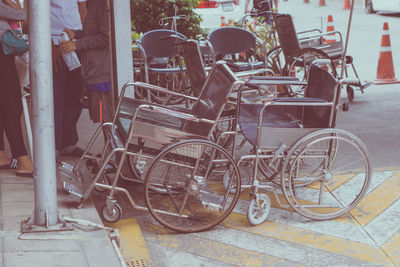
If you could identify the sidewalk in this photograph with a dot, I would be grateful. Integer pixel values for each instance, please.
(82, 246)
(65, 248)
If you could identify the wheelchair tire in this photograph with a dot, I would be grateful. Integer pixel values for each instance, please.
(299, 63)
(258, 212)
(350, 93)
(114, 216)
(327, 173)
(276, 60)
(184, 188)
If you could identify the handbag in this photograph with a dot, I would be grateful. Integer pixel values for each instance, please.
(14, 43)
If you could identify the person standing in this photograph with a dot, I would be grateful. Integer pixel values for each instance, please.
(67, 85)
(260, 5)
(93, 43)
(10, 101)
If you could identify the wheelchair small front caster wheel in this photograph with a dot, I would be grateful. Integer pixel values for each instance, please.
(345, 107)
(112, 216)
(258, 212)
(350, 93)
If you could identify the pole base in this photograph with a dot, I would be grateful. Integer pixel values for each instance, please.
(27, 226)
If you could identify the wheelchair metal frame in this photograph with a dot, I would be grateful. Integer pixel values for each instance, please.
(203, 199)
(284, 152)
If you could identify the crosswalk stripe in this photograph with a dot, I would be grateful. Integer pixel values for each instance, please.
(133, 246)
(378, 200)
(209, 249)
(339, 229)
(391, 248)
(309, 238)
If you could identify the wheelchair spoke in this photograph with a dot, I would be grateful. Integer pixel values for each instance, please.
(203, 201)
(325, 187)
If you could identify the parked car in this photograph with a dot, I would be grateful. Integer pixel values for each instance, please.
(382, 6)
(215, 13)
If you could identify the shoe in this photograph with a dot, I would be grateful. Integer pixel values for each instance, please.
(76, 152)
(25, 174)
(13, 165)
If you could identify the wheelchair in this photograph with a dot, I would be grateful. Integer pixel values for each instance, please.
(297, 50)
(297, 156)
(176, 160)
(158, 64)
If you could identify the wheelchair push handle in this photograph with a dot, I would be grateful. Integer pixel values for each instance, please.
(178, 39)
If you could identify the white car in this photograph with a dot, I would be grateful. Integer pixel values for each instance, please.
(219, 12)
(382, 6)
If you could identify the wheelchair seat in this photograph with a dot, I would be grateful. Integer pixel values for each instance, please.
(315, 110)
(156, 47)
(233, 40)
(163, 125)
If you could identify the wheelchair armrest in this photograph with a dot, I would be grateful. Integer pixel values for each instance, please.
(322, 35)
(167, 111)
(271, 80)
(247, 73)
(159, 89)
(308, 31)
(299, 101)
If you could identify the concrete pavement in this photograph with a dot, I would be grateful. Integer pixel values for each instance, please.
(82, 246)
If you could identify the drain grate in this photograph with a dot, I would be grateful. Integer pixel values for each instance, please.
(136, 263)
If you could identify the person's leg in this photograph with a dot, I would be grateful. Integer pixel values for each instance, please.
(12, 110)
(4, 160)
(59, 85)
(72, 108)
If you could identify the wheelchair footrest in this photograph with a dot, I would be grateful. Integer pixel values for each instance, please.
(71, 188)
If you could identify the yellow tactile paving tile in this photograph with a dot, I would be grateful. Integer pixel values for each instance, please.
(378, 200)
(211, 249)
(312, 239)
(337, 181)
(392, 248)
(276, 203)
(133, 246)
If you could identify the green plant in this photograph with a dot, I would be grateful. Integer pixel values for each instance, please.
(146, 15)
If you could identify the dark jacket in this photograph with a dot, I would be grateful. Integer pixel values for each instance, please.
(93, 42)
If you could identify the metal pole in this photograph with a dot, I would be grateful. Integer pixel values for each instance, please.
(347, 40)
(40, 71)
(121, 44)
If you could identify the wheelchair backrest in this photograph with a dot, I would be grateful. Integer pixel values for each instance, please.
(231, 40)
(322, 85)
(159, 44)
(194, 65)
(287, 34)
(214, 95)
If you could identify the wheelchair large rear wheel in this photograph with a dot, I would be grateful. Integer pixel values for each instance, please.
(184, 186)
(276, 60)
(326, 174)
(299, 63)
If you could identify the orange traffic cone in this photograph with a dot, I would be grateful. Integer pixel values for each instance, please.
(385, 73)
(322, 3)
(346, 4)
(330, 38)
(223, 23)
